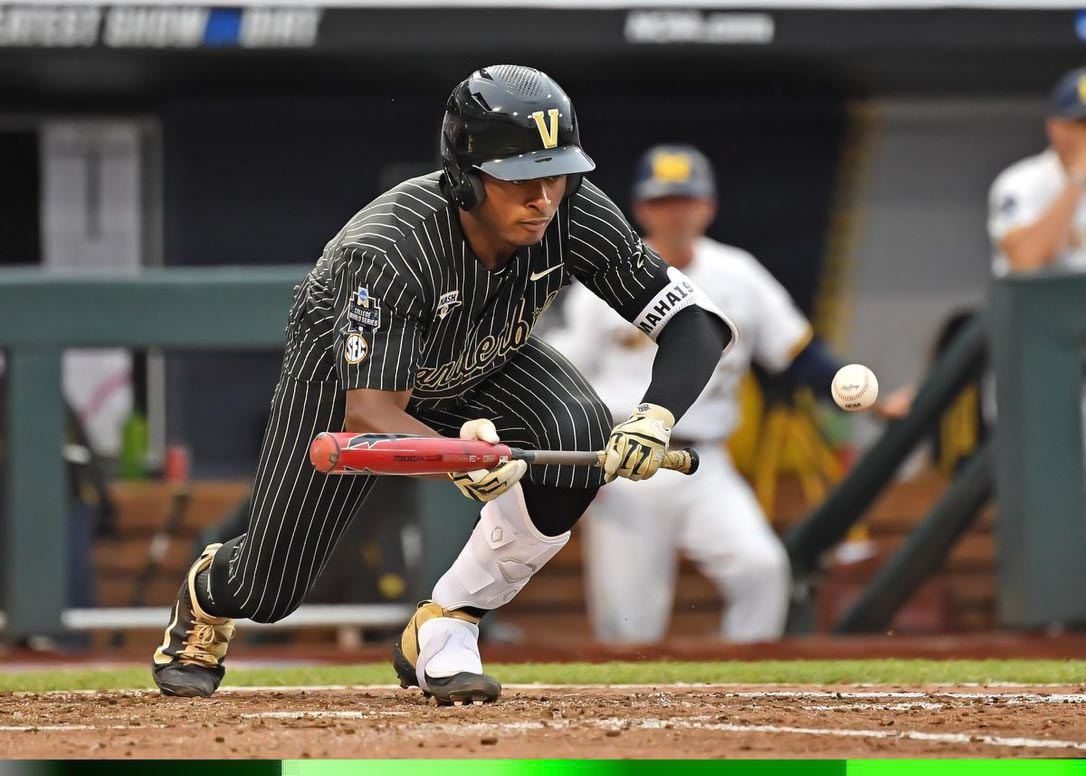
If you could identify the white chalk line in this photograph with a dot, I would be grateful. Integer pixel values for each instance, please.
(319, 714)
(1007, 698)
(697, 723)
(70, 728)
(906, 706)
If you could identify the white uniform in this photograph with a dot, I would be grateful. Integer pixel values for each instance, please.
(634, 528)
(1020, 195)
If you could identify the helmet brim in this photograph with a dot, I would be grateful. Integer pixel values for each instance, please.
(567, 160)
(1075, 112)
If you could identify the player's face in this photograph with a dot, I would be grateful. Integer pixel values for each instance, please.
(676, 221)
(1067, 138)
(519, 211)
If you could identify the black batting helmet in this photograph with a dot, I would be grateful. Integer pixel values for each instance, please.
(511, 122)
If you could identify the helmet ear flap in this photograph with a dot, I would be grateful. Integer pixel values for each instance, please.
(467, 187)
(475, 180)
(573, 183)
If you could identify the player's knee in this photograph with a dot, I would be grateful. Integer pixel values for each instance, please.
(270, 605)
(279, 611)
(266, 618)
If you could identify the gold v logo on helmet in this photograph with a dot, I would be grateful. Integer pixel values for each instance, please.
(549, 134)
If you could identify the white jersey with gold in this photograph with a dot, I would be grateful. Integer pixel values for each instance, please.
(617, 357)
(1020, 195)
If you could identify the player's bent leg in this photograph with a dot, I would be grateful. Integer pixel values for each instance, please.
(538, 400)
(189, 661)
(296, 513)
(503, 552)
(296, 516)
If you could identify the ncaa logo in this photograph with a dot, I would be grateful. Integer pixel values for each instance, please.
(355, 348)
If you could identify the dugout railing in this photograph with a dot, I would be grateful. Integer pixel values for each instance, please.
(1033, 335)
(921, 554)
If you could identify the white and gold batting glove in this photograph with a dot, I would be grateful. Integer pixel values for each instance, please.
(486, 484)
(636, 447)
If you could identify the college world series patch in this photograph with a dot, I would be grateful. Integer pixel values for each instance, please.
(364, 311)
(355, 348)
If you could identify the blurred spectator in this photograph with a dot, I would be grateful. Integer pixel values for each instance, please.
(1036, 213)
(635, 529)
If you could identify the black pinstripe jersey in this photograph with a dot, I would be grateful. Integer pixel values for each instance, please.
(398, 301)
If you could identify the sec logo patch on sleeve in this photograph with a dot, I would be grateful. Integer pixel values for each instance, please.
(355, 348)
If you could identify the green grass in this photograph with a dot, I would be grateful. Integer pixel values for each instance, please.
(817, 672)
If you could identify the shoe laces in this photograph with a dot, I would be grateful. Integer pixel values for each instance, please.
(205, 644)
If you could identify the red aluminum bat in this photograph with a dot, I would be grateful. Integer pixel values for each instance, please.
(347, 453)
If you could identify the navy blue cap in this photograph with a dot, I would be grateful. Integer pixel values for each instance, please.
(674, 171)
(1068, 99)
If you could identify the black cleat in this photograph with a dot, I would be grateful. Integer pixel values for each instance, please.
(463, 688)
(405, 672)
(189, 662)
(188, 681)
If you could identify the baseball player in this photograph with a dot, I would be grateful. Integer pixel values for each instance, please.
(418, 319)
(1036, 209)
(713, 517)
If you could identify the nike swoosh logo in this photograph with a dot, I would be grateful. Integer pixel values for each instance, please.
(549, 270)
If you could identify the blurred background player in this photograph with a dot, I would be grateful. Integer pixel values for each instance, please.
(713, 517)
(1037, 217)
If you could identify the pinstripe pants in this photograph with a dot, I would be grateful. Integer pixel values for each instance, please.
(537, 400)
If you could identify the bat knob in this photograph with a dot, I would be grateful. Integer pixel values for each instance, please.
(685, 460)
(695, 461)
(324, 452)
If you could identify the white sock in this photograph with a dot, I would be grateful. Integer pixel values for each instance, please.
(447, 646)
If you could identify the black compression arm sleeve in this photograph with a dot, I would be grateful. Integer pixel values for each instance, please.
(689, 350)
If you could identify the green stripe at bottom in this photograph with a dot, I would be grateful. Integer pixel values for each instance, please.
(563, 767)
(686, 767)
(967, 767)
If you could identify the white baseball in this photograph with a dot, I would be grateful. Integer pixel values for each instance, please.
(855, 388)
